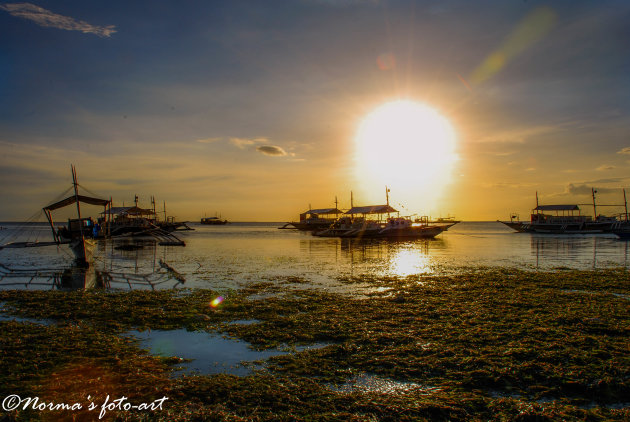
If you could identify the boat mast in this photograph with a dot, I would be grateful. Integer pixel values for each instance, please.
(109, 218)
(76, 196)
(593, 192)
(52, 226)
(625, 202)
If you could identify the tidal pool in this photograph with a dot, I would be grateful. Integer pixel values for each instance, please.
(209, 353)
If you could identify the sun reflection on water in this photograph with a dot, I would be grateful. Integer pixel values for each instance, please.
(409, 261)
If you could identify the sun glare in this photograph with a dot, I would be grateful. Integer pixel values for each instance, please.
(408, 146)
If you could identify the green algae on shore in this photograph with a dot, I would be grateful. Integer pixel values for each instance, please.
(493, 344)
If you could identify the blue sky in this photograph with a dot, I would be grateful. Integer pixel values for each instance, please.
(249, 108)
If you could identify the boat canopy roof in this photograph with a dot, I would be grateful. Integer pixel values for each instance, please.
(129, 211)
(324, 211)
(371, 209)
(72, 199)
(557, 208)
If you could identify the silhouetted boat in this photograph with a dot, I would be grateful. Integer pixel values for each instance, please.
(315, 219)
(446, 222)
(357, 223)
(567, 219)
(213, 221)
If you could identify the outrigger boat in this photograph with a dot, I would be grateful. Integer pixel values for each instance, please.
(80, 232)
(568, 219)
(315, 219)
(356, 224)
(134, 220)
(448, 222)
(213, 221)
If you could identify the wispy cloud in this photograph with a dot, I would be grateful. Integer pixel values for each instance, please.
(608, 180)
(243, 143)
(507, 185)
(341, 3)
(625, 150)
(209, 140)
(605, 167)
(519, 136)
(272, 150)
(266, 149)
(49, 19)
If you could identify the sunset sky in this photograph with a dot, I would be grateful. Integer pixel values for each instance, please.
(253, 108)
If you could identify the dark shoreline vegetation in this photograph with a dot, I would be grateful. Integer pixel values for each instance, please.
(497, 344)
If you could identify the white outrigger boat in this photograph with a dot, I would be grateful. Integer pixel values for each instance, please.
(356, 223)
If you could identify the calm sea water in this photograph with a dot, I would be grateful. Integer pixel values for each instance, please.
(231, 256)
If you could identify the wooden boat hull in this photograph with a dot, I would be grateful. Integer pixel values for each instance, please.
(569, 228)
(622, 234)
(519, 226)
(425, 232)
(412, 232)
(83, 250)
(308, 225)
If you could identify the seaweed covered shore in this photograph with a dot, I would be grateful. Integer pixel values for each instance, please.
(485, 345)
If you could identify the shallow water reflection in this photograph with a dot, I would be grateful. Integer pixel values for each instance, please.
(369, 383)
(233, 256)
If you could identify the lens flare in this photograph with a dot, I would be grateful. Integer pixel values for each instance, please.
(529, 31)
(216, 301)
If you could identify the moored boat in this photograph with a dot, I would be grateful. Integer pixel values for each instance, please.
(404, 228)
(566, 219)
(315, 219)
(445, 222)
(80, 232)
(367, 222)
(213, 221)
(137, 221)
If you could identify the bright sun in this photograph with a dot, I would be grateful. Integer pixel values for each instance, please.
(409, 147)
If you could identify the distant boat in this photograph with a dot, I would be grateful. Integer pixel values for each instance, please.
(446, 222)
(213, 221)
